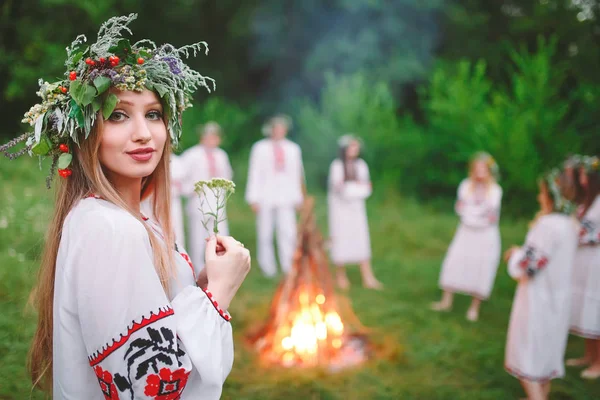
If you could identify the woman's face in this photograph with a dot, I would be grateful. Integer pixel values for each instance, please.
(279, 131)
(544, 199)
(481, 171)
(133, 138)
(353, 150)
(583, 178)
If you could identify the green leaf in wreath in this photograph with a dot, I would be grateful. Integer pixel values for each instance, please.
(64, 160)
(43, 147)
(77, 57)
(77, 114)
(102, 83)
(89, 92)
(75, 91)
(109, 105)
(122, 48)
(96, 104)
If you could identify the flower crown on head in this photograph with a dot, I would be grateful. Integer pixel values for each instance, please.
(345, 140)
(561, 204)
(588, 163)
(489, 161)
(70, 107)
(267, 128)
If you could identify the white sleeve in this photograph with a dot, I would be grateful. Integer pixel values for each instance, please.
(461, 197)
(536, 252)
(253, 184)
(138, 341)
(336, 177)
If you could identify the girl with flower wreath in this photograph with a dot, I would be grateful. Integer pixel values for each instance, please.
(474, 255)
(121, 313)
(539, 320)
(349, 187)
(585, 310)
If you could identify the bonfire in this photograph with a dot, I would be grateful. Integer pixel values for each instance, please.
(308, 324)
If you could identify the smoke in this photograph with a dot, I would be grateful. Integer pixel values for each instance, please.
(392, 41)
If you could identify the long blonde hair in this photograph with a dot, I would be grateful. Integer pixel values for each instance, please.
(88, 177)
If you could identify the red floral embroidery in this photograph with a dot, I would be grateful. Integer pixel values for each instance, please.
(167, 385)
(105, 379)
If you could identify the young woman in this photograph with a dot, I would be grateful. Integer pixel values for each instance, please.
(121, 314)
(472, 260)
(349, 187)
(539, 321)
(585, 310)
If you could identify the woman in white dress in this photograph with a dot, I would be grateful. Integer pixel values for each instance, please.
(349, 187)
(585, 311)
(539, 321)
(473, 256)
(121, 314)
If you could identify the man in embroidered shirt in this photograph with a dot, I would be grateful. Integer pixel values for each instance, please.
(203, 162)
(274, 191)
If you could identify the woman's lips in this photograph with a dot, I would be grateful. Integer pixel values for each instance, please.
(141, 154)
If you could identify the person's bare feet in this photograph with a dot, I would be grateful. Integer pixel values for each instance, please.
(592, 372)
(578, 362)
(373, 284)
(472, 314)
(440, 306)
(343, 282)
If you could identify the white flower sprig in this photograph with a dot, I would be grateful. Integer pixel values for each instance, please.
(221, 189)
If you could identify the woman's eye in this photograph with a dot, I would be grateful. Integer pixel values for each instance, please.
(117, 116)
(154, 115)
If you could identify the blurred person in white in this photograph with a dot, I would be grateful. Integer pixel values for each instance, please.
(543, 267)
(121, 313)
(473, 257)
(274, 191)
(585, 310)
(202, 162)
(177, 172)
(349, 187)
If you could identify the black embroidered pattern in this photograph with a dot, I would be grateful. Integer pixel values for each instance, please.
(147, 353)
(533, 261)
(588, 235)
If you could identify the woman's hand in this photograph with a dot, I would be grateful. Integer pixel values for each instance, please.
(226, 268)
(509, 253)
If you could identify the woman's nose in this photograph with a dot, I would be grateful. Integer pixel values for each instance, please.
(141, 130)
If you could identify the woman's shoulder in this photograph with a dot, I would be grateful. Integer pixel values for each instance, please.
(100, 218)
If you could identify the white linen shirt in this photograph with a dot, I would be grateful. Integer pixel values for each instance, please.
(116, 333)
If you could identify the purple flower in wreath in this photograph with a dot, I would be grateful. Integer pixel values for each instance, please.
(173, 64)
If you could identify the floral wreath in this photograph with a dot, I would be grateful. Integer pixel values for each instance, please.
(280, 118)
(344, 141)
(588, 163)
(561, 204)
(70, 106)
(489, 161)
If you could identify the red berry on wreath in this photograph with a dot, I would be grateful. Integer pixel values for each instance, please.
(102, 60)
(63, 89)
(64, 172)
(63, 148)
(89, 61)
(140, 60)
(73, 75)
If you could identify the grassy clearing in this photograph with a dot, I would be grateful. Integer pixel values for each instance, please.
(442, 356)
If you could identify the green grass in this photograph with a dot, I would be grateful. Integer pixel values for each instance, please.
(441, 356)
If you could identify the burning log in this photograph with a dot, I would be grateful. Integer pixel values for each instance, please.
(306, 326)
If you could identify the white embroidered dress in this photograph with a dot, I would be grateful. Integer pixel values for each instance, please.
(117, 334)
(539, 320)
(472, 260)
(585, 312)
(348, 224)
